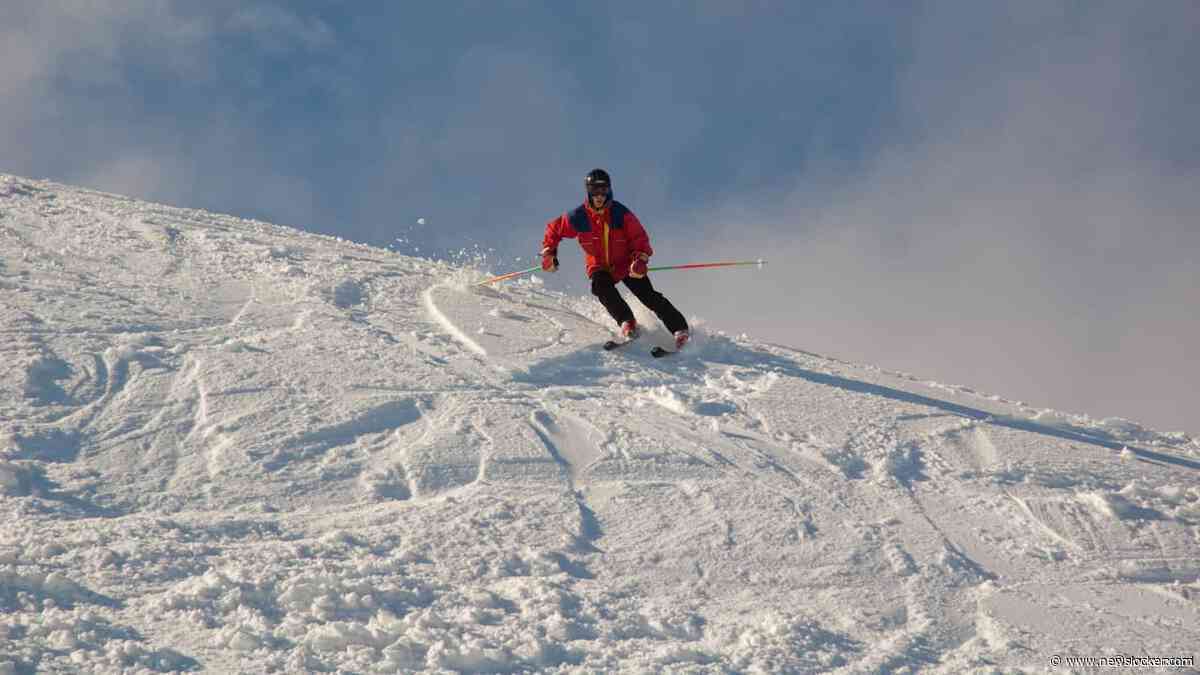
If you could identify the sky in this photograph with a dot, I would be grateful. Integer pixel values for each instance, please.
(1001, 195)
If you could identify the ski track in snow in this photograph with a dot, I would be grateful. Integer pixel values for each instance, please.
(230, 446)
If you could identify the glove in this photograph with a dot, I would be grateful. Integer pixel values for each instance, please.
(637, 268)
(549, 260)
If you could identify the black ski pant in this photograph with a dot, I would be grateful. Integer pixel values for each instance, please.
(605, 290)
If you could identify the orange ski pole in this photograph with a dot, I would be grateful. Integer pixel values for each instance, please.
(695, 266)
(510, 275)
(690, 266)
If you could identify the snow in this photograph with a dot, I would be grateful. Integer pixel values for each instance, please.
(235, 447)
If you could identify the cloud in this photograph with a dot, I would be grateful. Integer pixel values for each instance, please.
(280, 31)
(89, 42)
(138, 97)
(1028, 231)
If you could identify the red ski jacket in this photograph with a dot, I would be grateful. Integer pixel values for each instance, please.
(609, 237)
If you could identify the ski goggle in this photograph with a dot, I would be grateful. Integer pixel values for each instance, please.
(598, 189)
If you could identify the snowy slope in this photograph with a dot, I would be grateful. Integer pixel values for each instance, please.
(235, 447)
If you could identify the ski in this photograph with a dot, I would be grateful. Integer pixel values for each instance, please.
(655, 351)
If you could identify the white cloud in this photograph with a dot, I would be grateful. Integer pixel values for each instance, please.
(1030, 211)
(279, 30)
(76, 107)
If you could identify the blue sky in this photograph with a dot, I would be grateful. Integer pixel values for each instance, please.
(1002, 195)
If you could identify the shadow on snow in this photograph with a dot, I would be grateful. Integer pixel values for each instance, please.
(750, 357)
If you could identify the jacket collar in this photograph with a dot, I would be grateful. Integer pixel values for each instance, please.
(591, 210)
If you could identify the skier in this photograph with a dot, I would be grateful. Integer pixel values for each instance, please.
(616, 248)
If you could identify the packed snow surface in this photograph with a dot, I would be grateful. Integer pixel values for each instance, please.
(235, 447)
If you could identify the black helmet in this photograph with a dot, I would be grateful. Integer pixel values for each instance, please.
(598, 182)
(597, 177)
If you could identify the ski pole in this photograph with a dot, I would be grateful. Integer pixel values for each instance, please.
(690, 266)
(693, 266)
(510, 275)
